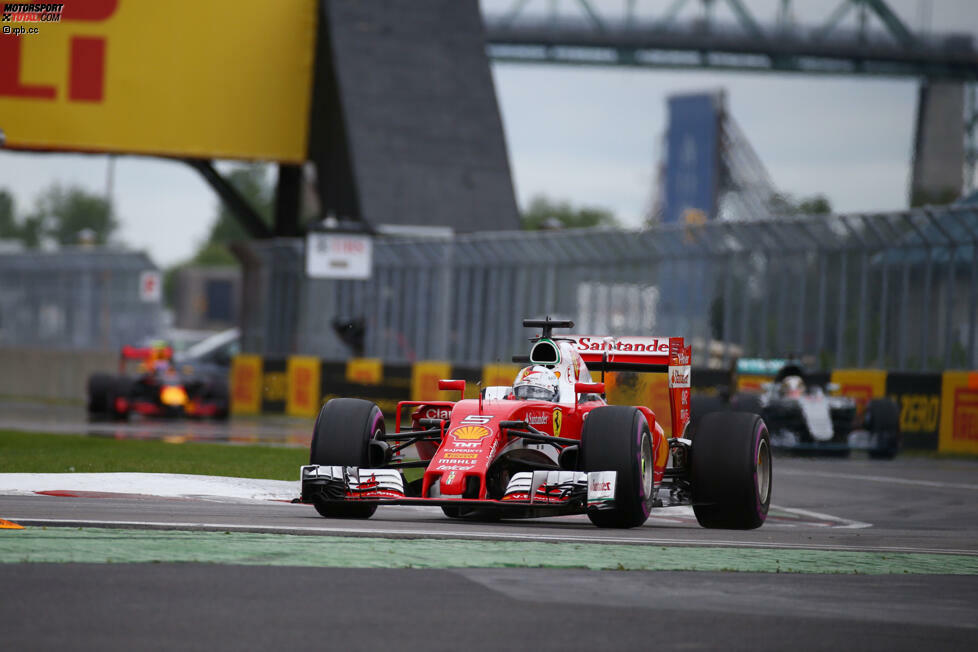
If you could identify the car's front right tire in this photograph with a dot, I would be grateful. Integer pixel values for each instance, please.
(731, 472)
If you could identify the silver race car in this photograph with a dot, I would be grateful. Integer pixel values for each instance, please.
(802, 416)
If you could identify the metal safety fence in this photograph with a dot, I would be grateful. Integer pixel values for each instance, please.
(78, 298)
(895, 290)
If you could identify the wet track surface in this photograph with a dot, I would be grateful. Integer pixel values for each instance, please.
(72, 419)
(912, 504)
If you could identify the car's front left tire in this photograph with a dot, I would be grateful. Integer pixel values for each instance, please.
(617, 438)
(342, 437)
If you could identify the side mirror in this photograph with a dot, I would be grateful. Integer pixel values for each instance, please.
(589, 388)
(449, 385)
(833, 387)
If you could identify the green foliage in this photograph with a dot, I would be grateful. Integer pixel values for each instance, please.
(252, 182)
(9, 228)
(544, 213)
(61, 214)
(785, 204)
(66, 212)
(213, 254)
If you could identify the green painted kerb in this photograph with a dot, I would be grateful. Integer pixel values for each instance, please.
(95, 545)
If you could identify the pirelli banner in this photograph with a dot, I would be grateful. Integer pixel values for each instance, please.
(300, 385)
(215, 79)
(959, 412)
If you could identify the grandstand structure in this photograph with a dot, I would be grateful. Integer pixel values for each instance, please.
(709, 169)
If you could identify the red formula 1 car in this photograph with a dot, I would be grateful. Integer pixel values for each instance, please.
(161, 389)
(548, 445)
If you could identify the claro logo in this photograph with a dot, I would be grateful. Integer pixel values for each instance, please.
(86, 58)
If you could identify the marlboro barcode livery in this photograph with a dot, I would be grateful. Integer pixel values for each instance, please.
(549, 444)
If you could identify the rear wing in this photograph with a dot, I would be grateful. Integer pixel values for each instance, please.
(666, 355)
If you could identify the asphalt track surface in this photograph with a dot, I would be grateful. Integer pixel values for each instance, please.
(912, 504)
(211, 607)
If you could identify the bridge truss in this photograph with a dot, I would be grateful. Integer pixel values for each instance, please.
(857, 37)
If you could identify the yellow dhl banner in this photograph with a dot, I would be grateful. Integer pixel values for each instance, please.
(215, 79)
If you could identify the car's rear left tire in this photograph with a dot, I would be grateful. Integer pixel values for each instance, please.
(342, 437)
(746, 402)
(221, 396)
(617, 438)
(882, 419)
(731, 472)
(100, 386)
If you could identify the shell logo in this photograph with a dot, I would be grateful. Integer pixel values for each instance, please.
(471, 432)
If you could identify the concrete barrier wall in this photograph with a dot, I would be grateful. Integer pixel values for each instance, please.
(37, 373)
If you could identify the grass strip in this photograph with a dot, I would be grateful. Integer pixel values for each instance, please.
(45, 453)
(99, 545)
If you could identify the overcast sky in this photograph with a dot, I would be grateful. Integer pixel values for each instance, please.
(592, 136)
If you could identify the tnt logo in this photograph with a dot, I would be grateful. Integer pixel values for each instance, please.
(86, 54)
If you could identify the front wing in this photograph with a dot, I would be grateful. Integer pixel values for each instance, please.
(530, 493)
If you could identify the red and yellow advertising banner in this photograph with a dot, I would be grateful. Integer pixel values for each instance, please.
(499, 374)
(246, 384)
(861, 385)
(364, 371)
(959, 413)
(302, 399)
(214, 79)
(424, 381)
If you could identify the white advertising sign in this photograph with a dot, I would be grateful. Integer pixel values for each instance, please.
(150, 286)
(336, 255)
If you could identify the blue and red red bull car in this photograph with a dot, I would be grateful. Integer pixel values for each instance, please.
(550, 444)
(160, 389)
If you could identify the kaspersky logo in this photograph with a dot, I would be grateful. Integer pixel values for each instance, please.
(85, 80)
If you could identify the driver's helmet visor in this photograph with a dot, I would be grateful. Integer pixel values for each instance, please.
(534, 392)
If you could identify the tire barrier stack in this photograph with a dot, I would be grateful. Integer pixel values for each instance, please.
(938, 411)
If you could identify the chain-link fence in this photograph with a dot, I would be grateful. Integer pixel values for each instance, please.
(78, 298)
(896, 290)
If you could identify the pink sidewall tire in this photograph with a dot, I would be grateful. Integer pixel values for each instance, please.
(731, 471)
